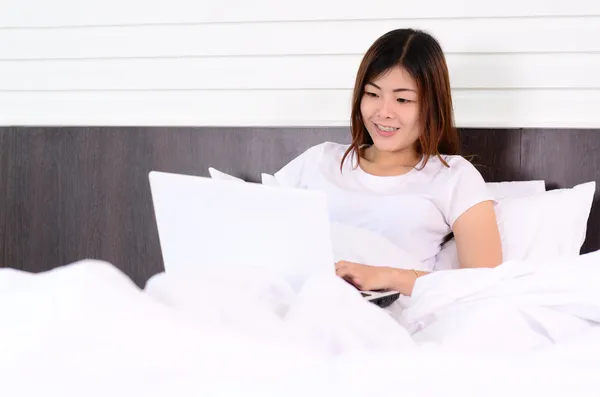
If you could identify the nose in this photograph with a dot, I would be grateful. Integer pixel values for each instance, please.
(386, 110)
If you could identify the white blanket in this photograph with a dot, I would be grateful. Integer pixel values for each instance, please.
(85, 329)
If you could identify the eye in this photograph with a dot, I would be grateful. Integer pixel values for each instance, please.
(371, 94)
(402, 100)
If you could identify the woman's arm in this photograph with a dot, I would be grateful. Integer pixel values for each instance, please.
(477, 237)
(365, 277)
(478, 245)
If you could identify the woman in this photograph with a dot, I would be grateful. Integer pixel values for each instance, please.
(402, 176)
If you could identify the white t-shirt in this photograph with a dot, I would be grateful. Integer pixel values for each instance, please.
(415, 210)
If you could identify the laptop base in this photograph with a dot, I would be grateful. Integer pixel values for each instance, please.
(381, 298)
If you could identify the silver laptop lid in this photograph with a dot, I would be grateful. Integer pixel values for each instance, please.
(204, 223)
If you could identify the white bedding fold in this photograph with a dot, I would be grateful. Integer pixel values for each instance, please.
(517, 306)
(247, 331)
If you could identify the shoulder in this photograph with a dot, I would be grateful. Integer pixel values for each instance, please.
(308, 162)
(457, 163)
(329, 150)
(458, 186)
(323, 155)
(457, 167)
(326, 149)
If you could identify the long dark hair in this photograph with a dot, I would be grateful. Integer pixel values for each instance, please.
(422, 57)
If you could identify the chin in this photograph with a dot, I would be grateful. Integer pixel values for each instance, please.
(387, 145)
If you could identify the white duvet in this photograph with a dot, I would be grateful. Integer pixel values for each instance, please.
(85, 329)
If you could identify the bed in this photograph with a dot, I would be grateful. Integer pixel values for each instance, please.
(87, 310)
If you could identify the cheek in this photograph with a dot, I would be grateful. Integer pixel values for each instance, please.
(411, 118)
(366, 109)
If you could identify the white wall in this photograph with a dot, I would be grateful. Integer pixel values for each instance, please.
(513, 63)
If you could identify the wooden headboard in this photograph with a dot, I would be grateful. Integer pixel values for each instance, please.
(78, 192)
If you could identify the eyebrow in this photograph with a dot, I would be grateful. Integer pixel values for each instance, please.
(395, 90)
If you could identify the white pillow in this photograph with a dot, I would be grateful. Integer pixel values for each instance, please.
(266, 179)
(543, 226)
(501, 190)
(216, 174)
(550, 225)
(269, 180)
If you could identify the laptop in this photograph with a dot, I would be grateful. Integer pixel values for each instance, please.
(209, 223)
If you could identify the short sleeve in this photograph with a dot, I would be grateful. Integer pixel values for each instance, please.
(294, 173)
(465, 187)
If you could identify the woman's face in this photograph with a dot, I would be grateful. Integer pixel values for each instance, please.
(390, 111)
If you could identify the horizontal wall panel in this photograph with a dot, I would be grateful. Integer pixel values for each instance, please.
(17, 13)
(291, 38)
(474, 108)
(294, 72)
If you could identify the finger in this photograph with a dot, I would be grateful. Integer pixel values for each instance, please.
(342, 266)
(350, 280)
(355, 282)
(349, 276)
(341, 271)
(339, 264)
(344, 272)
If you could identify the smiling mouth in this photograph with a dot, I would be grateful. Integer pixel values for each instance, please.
(385, 129)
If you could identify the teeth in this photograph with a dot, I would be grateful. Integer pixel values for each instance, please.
(386, 129)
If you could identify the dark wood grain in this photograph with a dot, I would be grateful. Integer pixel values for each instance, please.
(5, 133)
(248, 152)
(75, 193)
(32, 206)
(565, 158)
(496, 152)
(79, 192)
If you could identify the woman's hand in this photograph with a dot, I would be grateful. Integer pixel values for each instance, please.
(364, 277)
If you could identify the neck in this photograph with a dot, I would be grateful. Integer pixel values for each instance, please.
(387, 160)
